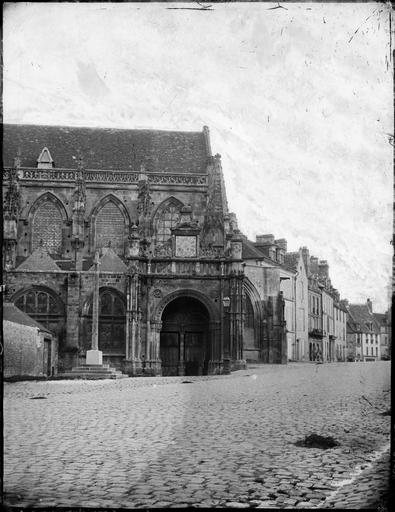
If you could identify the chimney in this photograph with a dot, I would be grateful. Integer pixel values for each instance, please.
(306, 258)
(369, 304)
(314, 265)
(344, 302)
(281, 242)
(264, 239)
(323, 269)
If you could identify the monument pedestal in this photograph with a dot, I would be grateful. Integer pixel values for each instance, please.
(94, 357)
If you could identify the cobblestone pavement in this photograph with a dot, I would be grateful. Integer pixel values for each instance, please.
(223, 441)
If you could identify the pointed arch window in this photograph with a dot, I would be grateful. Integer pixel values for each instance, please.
(112, 322)
(167, 218)
(249, 317)
(47, 227)
(110, 228)
(42, 306)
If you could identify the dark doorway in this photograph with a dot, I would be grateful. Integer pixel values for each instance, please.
(170, 352)
(184, 347)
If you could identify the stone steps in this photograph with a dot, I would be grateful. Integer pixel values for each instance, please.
(93, 371)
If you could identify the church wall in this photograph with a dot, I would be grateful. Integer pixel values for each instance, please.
(20, 280)
(265, 280)
(136, 200)
(30, 193)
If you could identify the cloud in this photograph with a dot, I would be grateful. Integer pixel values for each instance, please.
(297, 111)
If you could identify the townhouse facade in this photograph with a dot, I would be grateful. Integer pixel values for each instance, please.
(340, 319)
(298, 350)
(384, 322)
(363, 333)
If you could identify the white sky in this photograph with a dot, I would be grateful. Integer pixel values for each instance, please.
(298, 101)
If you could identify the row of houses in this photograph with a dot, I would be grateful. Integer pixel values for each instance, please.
(320, 326)
(120, 244)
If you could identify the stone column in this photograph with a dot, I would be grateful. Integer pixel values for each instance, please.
(133, 318)
(9, 243)
(156, 363)
(215, 361)
(132, 364)
(11, 210)
(239, 362)
(73, 320)
(128, 319)
(95, 356)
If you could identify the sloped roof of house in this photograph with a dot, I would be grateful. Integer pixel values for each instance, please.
(39, 260)
(15, 315)
(250, 251)
(381, 318)
(341, 307)
(351, 325)
(291, 260)
(107, 148)
(361, 316)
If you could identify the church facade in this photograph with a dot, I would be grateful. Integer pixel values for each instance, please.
(140, 216)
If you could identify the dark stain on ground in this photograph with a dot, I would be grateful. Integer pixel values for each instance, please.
(317, 441)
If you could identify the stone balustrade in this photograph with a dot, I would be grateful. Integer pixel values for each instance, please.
(110, 176)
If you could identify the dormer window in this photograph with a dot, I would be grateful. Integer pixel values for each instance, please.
(45, 161)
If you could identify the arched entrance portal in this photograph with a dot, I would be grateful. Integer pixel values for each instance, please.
(184, 338)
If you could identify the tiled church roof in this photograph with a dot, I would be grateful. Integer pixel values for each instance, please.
(39, 260)
(110, 262)
(107, 148)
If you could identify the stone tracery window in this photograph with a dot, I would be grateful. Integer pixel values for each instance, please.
(42, 306)
(47, 227)
(112, 319)
(166, 219)
(110, 228)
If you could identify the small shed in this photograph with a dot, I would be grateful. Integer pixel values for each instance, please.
(30, 350)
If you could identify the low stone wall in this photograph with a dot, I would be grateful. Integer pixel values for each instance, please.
(24, 351)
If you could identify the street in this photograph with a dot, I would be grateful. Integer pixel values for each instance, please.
(219, 441)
